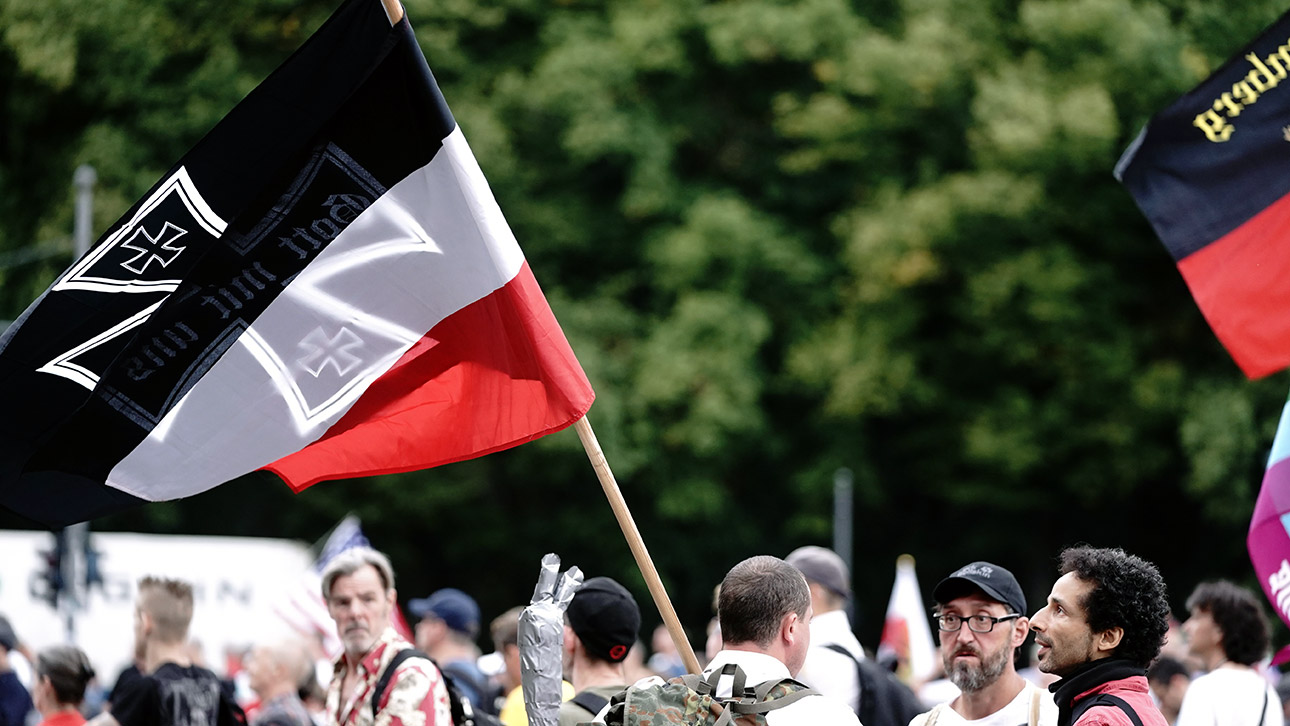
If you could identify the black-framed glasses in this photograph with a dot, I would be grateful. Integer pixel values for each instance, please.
(950, 622)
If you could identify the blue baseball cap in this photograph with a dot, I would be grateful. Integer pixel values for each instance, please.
(455, 608)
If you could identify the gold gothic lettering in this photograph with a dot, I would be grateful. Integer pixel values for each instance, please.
(1264, 76)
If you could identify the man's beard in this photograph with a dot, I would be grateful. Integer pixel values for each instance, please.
(971, 677)
(358, 641)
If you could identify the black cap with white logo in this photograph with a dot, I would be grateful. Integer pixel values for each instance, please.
(995, 581)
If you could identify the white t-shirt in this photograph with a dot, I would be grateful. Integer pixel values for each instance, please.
(827, 671)
(1230, 697)
(1016, 713)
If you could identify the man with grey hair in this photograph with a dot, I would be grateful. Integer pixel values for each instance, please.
(277, 672)
(764, 607)
(358, 587)
(981, 618)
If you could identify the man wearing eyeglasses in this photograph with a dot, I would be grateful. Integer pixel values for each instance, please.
(980, 615)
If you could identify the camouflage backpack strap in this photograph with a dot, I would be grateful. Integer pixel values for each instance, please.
(706, 690)
(696, 683)
(739, 681)
(771, 695)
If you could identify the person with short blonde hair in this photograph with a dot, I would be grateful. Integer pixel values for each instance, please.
(171, 689)
(170, 605)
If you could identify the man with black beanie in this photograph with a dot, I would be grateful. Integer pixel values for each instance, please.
(1104, 623)
(601, 624)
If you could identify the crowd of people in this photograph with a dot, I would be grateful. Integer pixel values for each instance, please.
(1102, 650)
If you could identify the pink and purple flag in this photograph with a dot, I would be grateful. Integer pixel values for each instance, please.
(1269, 537)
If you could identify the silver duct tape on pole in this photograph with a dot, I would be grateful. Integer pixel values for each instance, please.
(542, 641)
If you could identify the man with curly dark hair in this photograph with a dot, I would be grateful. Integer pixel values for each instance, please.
(1228, 632)
(1103, 624)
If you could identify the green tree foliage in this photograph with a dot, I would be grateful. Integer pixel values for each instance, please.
(783, 236)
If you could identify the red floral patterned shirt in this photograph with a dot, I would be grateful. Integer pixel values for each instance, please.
(415, 696)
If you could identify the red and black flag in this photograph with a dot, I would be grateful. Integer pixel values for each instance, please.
(323, 287)
(1212, 174)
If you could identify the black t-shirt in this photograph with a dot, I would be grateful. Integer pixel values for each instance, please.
(128, 675)
(176, 695)
(14, 701)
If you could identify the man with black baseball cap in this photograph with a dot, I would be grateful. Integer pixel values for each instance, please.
(601, 625)
(980, 613)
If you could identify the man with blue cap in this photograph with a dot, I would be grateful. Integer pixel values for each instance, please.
(446, 630)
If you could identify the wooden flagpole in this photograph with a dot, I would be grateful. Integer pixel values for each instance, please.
(394, 10)
(636, 544)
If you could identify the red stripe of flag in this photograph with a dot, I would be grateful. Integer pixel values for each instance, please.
(470, 387)
(1242, 284)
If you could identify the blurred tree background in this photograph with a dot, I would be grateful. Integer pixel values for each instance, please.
(784, 237)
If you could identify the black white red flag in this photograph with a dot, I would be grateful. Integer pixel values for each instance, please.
(323, 287)
(1212, 174)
